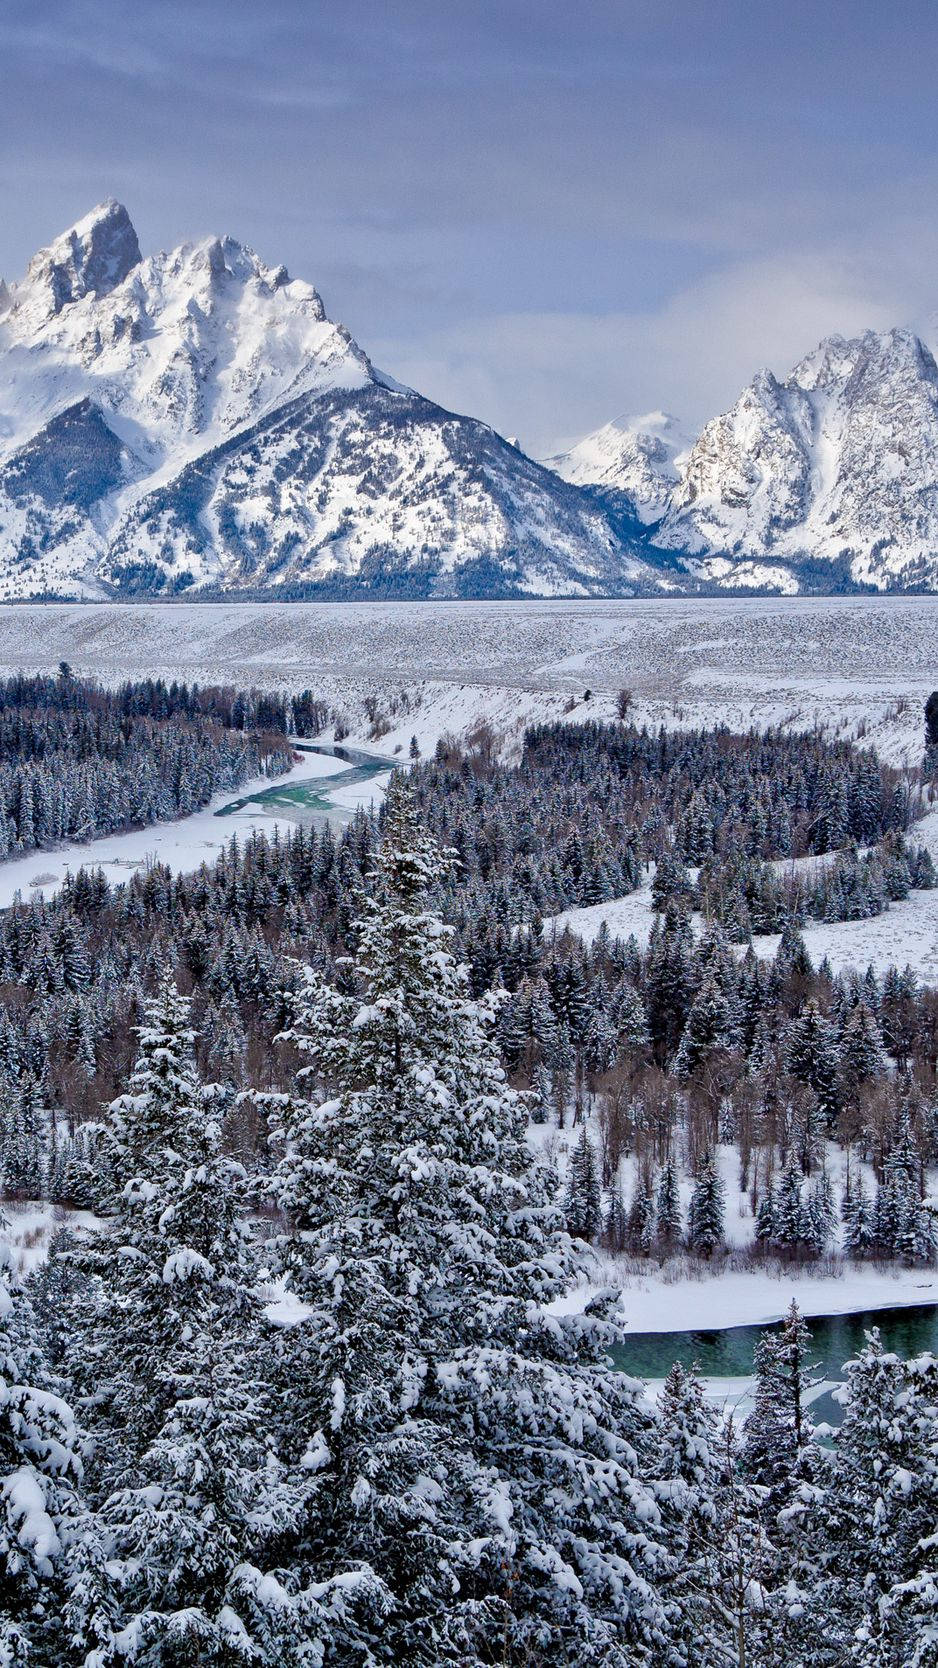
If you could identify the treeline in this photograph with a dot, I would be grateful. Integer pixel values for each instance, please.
(589, 805)
(77, 760)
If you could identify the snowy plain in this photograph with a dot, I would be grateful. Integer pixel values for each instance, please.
(850, 664)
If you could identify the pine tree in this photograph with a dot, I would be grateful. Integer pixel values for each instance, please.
(426, 1245)
(51, 1595)
(188, 1493)
(668, 1208)
(640, 1228)
(767, 1218)
(709, 1030)
(777, 1450)
(705, 1221)
(789, 1211)
(702, 1507)
(582, 1198)
(882, 1506)
(857, 1216)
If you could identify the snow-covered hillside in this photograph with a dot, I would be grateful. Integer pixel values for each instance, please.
(825, 478)
(194, 419)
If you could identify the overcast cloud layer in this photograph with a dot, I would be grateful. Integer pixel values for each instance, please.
(543, 214)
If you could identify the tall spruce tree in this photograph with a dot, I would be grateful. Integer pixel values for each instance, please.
(582, 1196)
(53, 1605)
(471, 1450)
(705, 1218)
(188, 1494)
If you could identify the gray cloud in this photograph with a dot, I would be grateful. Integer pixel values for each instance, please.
(539, 212)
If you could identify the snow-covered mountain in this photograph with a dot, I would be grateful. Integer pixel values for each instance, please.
(634, 455)
(195, 420)
(826, 479)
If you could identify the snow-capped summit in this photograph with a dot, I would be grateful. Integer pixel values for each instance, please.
(635, 455)
(825, 478)
(91, 258)
(195, 418)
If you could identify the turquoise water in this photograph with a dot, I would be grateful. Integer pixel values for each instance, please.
(728, 1353)
(310, 801)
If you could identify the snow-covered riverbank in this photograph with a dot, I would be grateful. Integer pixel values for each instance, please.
(184, 845)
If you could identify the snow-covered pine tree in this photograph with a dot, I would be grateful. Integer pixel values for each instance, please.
(188, 1493)
(698, 1493)
(473, 1450)
(710, 1029)
(615, 1226)
(705, 1218)
(880, 1596)
(780, 1456)
(640, 1227)
(789, 1210)
(52, 1603)
(668, 1208)
(857, 1216)
(582, 1195)
(766, 1217)
(777, 1448)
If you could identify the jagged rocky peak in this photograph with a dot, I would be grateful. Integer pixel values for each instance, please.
(91, 258)
(195, 418)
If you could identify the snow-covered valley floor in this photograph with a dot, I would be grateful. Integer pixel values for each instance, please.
(854, 664)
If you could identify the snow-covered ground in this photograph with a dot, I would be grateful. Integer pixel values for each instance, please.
(905, 935)
(854, 664)
(184, 845)
(756, 1297)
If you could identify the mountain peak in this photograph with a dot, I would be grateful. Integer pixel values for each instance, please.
(90, 258)
(635, 455)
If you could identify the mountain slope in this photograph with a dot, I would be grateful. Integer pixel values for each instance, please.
(195, 420)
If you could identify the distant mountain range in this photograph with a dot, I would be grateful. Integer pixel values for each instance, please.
(194, 422)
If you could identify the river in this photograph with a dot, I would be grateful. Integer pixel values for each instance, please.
(727, 1354)
(326, 799)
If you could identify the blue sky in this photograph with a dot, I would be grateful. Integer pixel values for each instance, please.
(545, 214)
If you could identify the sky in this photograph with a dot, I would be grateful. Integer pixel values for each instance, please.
(543, 214)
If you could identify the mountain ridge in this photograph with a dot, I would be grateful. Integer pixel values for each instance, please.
(831, 470)
(193, 422)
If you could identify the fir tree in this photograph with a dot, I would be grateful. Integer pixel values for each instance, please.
(53, 1608)
(426, 1247)
(582, 1198)
(668, 1208)
(705, 1221)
